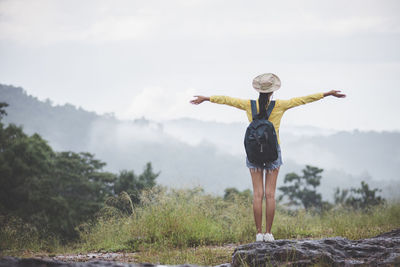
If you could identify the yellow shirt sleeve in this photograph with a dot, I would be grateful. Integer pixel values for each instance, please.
(231, 101)
(297, 101)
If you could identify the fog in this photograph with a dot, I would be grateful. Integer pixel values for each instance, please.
(148, 58)
(190, 152)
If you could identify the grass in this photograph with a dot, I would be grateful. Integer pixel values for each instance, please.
(177, 219)
(338, 222)
(189, 226)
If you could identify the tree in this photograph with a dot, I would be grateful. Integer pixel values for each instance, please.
(56, 191)
(52, 191)
(2, 110)
(127, 181)
(25, 176)
(340, 196)
(361, 198)
(302, 191)
(80, 187)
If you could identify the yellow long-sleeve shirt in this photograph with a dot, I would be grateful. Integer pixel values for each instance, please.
(276, 115)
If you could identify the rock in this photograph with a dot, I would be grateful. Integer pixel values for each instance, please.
(381, 250)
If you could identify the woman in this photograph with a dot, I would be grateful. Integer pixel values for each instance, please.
(265, 84)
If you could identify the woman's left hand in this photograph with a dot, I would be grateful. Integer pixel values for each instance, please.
(335, 93)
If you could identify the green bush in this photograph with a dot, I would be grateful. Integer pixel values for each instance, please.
(17, 235)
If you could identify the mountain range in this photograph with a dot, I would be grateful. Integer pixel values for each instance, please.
(190, 152)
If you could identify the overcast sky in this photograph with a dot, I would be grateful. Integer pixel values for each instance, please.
(147, 58)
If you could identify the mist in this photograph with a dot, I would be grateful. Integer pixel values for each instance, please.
(190, 152)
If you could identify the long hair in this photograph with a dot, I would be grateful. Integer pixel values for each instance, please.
(263, 101)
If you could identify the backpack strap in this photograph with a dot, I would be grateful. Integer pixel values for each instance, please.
(270, 108)
(253, 108)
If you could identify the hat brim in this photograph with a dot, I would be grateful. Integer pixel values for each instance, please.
(269, 90)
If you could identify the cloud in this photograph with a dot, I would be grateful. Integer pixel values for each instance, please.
(45, 22)
(160, 103)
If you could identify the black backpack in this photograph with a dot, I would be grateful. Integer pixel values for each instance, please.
(260, 141)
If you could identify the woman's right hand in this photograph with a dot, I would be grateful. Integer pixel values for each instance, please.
(199, 99)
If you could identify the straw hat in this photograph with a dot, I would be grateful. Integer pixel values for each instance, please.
(266, 83)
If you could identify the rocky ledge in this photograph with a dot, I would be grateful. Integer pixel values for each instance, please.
(381, 250)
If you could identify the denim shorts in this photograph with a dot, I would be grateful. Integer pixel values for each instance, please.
(269, 166)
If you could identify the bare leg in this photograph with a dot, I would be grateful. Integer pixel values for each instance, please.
(270, 186)
(258, 195)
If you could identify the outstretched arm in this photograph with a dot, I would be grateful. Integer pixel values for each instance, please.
(199, 99)
(297, 101)
(220, 99)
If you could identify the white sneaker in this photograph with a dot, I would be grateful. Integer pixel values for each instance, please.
(272, 237)
(259, 237)
(268, 237)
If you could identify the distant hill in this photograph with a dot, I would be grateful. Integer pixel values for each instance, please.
(125, 144)
(62, 125)
(191, 152)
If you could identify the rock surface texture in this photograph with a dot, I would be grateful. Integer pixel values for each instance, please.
(381, 250)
